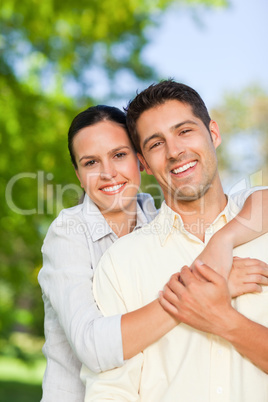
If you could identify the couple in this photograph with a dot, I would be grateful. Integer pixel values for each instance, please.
(176, 141)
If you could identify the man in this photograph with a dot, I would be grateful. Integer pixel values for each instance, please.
(219, 351)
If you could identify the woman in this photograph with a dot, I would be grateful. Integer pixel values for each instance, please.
(107, 168)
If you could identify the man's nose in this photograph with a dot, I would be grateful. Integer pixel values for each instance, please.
(173, 148)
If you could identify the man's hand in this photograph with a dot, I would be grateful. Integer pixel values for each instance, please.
(247, 276)
(204, 305)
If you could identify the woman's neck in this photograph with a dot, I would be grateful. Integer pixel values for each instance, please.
(122, 222)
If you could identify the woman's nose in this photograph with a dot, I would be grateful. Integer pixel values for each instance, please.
(108, 171)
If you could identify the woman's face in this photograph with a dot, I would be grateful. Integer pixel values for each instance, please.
(107, 166)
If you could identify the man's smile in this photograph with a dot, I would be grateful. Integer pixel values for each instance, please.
(184, 167)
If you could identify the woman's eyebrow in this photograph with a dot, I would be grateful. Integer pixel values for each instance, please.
(118, 149)
(86, 157)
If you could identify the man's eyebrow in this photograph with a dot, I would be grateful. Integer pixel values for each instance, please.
(145, 142)
(172, 128)
(182, 124)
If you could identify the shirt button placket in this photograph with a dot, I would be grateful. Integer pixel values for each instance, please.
(218, 371)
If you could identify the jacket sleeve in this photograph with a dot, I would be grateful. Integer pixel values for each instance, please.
(240, 197)
(66, 281)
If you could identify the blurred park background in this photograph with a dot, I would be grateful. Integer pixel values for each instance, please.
(60, 57)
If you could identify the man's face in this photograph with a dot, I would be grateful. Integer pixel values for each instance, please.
(178, 150)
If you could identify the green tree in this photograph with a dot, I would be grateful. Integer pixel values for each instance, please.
(243, 116)
(49, 50)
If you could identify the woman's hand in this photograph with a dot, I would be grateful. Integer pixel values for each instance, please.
(247, 276)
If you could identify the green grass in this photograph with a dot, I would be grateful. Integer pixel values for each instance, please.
(12, 391)
(20, 381)
(22, 368)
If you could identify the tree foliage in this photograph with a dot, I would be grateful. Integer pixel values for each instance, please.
(67, 40)
(48, 50)
(244, 115)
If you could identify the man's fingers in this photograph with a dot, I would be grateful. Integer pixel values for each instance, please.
(167, 306)
(187, 276)
(175, 285)
(208, 273)
(169, 295)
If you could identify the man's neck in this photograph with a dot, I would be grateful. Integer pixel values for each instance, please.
(199, 214)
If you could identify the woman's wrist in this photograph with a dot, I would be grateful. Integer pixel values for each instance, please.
(226, 235)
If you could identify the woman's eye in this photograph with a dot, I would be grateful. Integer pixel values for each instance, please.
(90, 163)
(120, 155)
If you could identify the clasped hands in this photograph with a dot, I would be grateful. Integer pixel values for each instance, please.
(201, 297)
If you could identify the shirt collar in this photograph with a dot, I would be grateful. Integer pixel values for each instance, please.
(96, 223)
(164, 223)
(167, 221)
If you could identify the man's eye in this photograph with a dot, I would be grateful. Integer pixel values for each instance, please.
(156, 145)
(185, 131)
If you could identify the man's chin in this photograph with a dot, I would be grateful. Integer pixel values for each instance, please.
(190, 196)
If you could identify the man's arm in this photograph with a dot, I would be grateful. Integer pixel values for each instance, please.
(246, 276)
(206, 306)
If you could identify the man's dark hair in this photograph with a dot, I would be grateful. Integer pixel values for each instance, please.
(157, 94)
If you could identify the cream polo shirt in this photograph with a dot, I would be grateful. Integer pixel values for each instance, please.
(75, 329)
(185, 365)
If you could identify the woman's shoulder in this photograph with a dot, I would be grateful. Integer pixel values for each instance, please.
(146, 203)
(65, 222)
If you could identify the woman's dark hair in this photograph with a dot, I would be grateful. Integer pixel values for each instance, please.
(91, 116)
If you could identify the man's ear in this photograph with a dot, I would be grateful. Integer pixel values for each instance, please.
(144, 164)
(141, 166)
(77, 174)
(215, 133)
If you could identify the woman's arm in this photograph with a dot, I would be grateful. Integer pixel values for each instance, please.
(66, 282)
(250, 223)
(145, 326)
(206, 306)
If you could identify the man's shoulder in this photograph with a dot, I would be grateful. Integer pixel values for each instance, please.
(256, 248)
(135, 242)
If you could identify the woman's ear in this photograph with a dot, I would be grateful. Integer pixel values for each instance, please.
(144, 164)
(77, 174)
